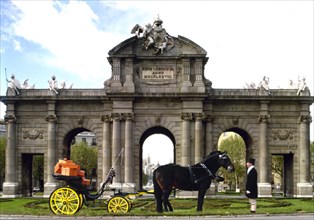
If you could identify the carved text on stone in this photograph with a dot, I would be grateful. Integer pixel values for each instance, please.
(149, 73)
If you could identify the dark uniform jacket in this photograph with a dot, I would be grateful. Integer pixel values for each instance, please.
(251, 184)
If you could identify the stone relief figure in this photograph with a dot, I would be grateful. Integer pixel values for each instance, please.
(301, 85)
(155, 36)
(53, 84)
(14, 84)
(264, 84)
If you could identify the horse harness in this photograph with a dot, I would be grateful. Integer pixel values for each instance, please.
(193, 177)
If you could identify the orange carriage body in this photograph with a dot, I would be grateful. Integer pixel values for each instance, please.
(69, 168)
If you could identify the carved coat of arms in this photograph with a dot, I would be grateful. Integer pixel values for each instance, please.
(155, 36)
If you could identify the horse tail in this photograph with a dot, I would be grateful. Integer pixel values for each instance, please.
(157, 192)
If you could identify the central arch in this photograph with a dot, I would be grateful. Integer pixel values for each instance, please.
(148, 133)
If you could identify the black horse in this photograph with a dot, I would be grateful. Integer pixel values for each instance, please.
(190, 178)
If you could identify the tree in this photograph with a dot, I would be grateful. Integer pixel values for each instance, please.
(235, 147)
(38, 170)
(86, 157)
(277, 165)
(3, 143)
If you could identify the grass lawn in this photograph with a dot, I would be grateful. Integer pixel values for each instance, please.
(182, 207)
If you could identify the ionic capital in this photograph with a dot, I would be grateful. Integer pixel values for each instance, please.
(106, 118)
(305, 119)
(186, 116)
(116, 116)
(128, 116)
(264, 118)
(51, 118)
(10, 119)
(209, 118)
(199, 116)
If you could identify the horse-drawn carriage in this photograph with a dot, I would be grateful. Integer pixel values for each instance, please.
(69, 199)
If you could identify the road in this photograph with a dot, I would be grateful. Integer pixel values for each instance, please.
(242, 217)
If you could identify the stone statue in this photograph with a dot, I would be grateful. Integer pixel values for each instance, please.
(155, 36)
(291, 84)
(14, 84)
(264, 84)
(63, 85)
(27, 86)
(301, 85)
(53, 84)
(250, 85)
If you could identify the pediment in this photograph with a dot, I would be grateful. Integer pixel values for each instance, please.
(133, 47)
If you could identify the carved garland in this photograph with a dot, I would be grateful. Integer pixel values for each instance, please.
(33, 134)
(283, 134)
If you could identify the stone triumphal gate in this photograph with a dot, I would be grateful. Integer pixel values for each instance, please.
(157, 86)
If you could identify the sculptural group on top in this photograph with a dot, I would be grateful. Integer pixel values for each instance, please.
(301, 85)
(15, 85)
(155, 35)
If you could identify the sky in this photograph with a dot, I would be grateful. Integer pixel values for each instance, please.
(244, 40)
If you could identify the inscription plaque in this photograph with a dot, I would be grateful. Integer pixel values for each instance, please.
(149, 73)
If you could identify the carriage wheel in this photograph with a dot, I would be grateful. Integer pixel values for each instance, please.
(65, 201)
(118, 204)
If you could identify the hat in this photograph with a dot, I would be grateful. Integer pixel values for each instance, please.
(251, 160)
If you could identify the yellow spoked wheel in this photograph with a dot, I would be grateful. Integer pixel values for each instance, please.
(65, 201)
(118, 204)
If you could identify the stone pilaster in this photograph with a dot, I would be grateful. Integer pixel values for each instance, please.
(10, 186)
(116, 146)
(199, 75)
(51, 184)
(199, 143)
(185, 139)
(129, 75)
(106, 146)
(264, 186)
(186, 73)
(304, 187)
(116, 73)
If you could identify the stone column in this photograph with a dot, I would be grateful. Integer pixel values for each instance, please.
(106, 146)
(10, 186)
(304, 187)
(199, 143)
(128, 154)
(50, 184)
(209, 145)
(185, 139)
(264, 186)
(116, 146)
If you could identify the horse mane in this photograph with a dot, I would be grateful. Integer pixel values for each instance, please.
(213, 153)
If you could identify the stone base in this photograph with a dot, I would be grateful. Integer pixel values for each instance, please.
(305, 190)
(49, 188)
(10, 190)
(123, 187)
(186, 194)
(212, 190)
(264, 190)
